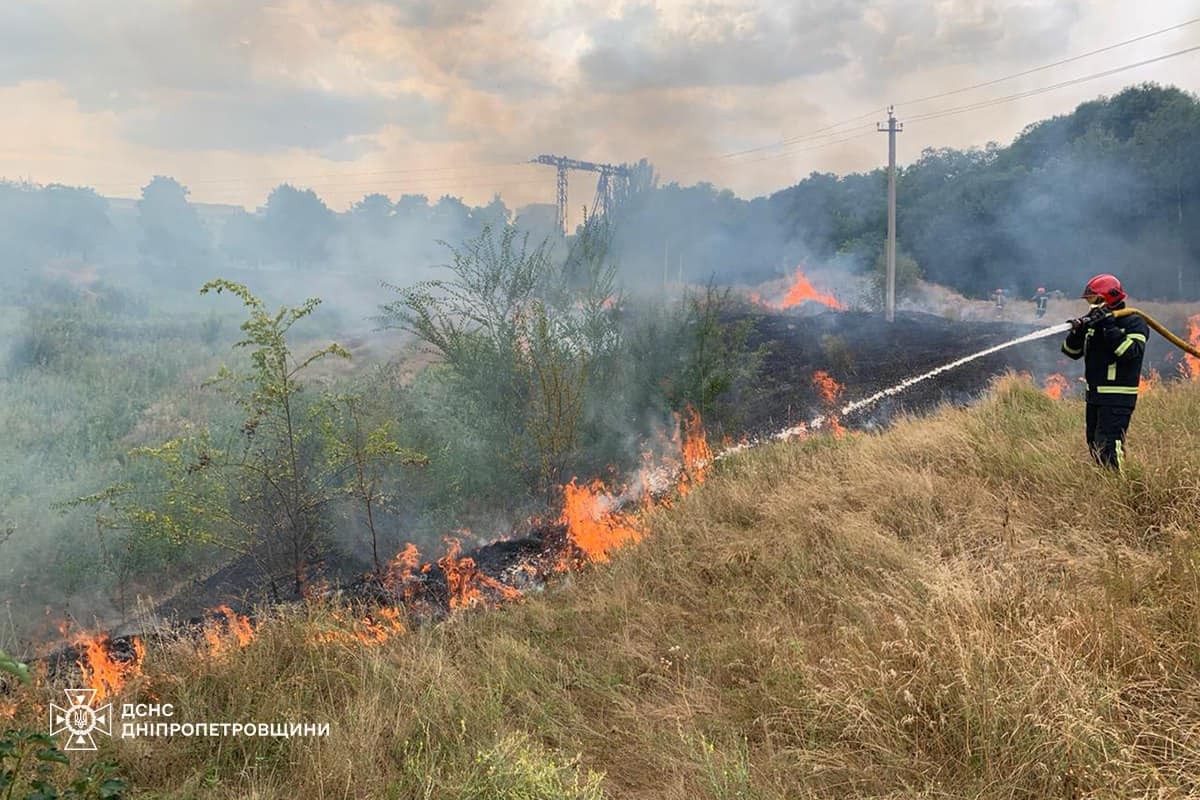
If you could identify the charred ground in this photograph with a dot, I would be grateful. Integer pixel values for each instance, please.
(860, 351)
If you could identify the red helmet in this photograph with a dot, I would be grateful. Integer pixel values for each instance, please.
(1106, 286)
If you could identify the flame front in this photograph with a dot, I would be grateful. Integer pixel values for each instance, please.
(401, 570)
(466, 581)
(697, 455)
(1056, 386)
(1149, 381)
(234, 629)
(592, 524)
(101, 671)
(1191, 364)
(798, 292)
(372, 629)
(801, 290)
(829, 388)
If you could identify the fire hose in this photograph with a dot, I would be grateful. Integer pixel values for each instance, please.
(1162, 330)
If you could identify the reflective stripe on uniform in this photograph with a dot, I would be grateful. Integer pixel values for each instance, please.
(1116, 390)
(1128, 342)
(1112, 371)
(1071, 351)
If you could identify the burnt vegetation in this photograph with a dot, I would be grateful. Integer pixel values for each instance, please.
(871, 614)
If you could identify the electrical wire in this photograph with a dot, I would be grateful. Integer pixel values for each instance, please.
(829, 130)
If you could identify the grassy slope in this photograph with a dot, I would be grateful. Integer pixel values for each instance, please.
(961, 606)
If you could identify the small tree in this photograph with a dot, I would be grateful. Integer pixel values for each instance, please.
(523, 339)
(365, 449)
(262, 493)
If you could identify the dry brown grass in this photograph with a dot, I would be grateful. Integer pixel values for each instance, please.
(959, 607)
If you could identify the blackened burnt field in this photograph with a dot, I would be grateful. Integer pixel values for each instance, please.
(860, 352)
(863, 354)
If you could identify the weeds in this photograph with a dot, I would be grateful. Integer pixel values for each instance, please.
(838, 617)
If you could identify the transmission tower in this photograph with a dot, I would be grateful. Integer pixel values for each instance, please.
(612, 183)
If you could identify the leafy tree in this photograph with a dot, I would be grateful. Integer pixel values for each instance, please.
(1167, 146)
(297, 226)
(242, 239)
(71, 221)
(174, 239)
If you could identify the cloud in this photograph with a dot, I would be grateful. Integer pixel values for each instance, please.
(283, 88)
(210, 74)
(906, 36)
(717, 44)
(439, 13)
(263, 118)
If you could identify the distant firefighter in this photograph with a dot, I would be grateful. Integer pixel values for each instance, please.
(1112, 353)
(1041, 299)
(1000, 299)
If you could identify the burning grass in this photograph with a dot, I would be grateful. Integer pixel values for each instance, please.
(1191, 364)
(961, 606)
(798, 291)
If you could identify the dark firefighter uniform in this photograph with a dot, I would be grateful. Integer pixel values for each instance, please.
(1112, 351)
(1041, 299)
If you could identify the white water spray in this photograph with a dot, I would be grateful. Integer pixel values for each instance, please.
(817, 422)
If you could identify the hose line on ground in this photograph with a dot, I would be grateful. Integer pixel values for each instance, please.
(1158, 326)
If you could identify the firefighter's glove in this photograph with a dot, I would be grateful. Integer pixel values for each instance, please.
(1099, 316)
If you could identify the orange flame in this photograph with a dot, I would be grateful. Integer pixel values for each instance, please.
(1056, 386)
(371, 629)
(801, 291)
(100, 671)
(377, 629)
(697, 455)
(401, 569)
(466, 581)
(1191, 364)
(829, 388)
(236, 629)
(1149, 381)
(836, 428)
(592, 525)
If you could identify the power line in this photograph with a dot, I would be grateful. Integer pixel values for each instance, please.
(829, 130)
(986, 103)
(1022, 74)
(1043, 89)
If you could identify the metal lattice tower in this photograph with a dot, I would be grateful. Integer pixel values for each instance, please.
(612, 183)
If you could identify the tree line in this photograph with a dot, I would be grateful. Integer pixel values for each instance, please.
(1112, 186)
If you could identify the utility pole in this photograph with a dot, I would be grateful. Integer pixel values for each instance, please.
(893, 127)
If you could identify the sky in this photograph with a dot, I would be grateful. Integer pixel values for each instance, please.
(349, 97)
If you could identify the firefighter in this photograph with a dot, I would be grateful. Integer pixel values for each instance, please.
(1041, 299)
(1112, 351)
(1000, 299)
